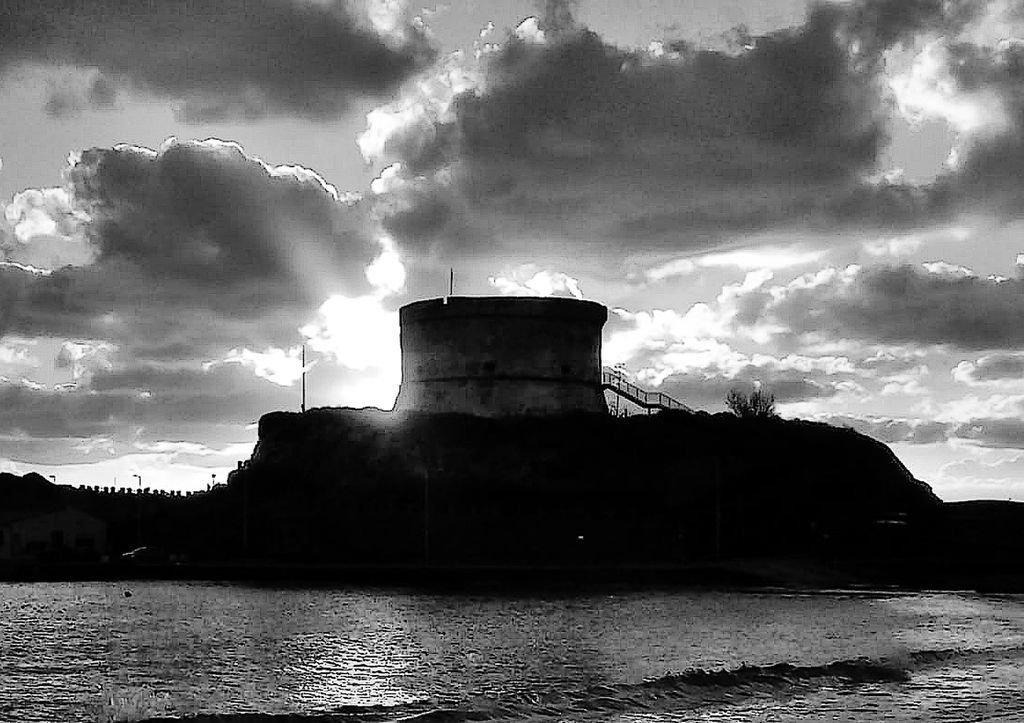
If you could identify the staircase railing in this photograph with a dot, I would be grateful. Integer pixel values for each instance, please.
(616, 382)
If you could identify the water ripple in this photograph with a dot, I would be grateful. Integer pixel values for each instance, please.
(201, 650)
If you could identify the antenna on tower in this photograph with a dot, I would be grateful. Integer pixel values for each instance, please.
(303, 377)
(451, 281)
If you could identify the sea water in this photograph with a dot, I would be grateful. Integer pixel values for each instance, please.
(89, 652)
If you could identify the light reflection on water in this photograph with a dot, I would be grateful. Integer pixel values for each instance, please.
(226, 648)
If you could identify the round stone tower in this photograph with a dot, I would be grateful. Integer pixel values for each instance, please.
(496, 356)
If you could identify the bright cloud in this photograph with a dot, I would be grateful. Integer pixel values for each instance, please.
(928, 89)
(280, 366)
(83, 357)
(357, 332)
(527, 280)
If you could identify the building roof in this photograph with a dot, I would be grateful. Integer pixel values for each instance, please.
(10, 516)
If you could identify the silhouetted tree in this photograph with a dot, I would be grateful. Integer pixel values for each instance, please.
(757, 404)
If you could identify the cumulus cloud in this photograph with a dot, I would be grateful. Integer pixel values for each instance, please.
(68, 456)
(196, 248)
(222, 59)
(1011, 469)
(968, 427)
(386, 273)
(670, 269)
(748, 259)
(357, 332)
(892, 430)
(998, 368)
(207, 211)
(280, 366)
(930, 304)
(15, 352)
(555, 134)
(995, 420)
(83, 357)
(887, 362)
(561, 132)
(41, 229)
(76, 90)
(708, 390)
(958, 64)
(993, 406)
(1005, 432)
(901, 246)
(661, 342)
(690, 356)
(185, 319)
(528, 280)
(45, 212)
(360, 335)
(694, 338)
(142, 402)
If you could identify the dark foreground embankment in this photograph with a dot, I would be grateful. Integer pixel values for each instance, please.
(366, 496)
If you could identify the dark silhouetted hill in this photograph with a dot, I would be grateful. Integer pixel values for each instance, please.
(29, 492)
(365, 488)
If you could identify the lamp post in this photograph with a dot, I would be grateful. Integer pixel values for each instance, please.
(620, 372)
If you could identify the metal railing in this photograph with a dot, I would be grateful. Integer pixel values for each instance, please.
(615, 381)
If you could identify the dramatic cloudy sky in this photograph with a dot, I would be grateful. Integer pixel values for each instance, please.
(824, 199)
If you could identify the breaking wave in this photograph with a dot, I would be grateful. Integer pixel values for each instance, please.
(690, 689)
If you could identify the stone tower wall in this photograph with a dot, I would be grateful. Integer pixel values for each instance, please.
(499, 356)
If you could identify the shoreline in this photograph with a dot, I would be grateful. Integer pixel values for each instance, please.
(735, 575)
